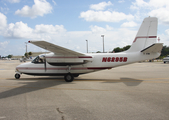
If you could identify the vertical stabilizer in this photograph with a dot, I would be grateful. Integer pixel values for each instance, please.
(146, 35)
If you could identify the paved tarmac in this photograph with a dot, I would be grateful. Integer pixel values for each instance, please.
(138, 91)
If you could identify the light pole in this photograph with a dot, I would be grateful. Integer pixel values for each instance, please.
(26, 48)
(103, 42)
(87, 45)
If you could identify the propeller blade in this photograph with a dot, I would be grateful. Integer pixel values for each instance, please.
(45, 63)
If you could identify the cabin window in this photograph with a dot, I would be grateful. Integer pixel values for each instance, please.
(38, 60)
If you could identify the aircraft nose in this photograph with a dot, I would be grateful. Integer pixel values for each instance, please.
(20, 67)
(17, 68)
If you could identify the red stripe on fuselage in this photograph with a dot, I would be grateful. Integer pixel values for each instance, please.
(85, 68)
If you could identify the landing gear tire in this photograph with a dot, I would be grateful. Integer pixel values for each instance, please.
(69, 77)
(17, 76)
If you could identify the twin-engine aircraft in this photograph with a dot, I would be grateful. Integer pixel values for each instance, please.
(70, 64)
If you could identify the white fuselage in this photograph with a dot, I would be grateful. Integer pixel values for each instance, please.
(95, 62)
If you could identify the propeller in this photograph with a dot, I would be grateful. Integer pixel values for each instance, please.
(44, 62)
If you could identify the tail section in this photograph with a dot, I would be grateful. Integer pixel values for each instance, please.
(146, 35)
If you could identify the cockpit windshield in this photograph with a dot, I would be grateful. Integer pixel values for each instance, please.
(38, 60)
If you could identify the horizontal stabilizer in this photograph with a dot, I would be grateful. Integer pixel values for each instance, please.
(154, 48)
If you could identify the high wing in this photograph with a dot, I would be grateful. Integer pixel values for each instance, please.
(58, 50)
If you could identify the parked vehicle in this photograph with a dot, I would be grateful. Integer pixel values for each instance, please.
(26, 59)
(166, 59)
(22, 59)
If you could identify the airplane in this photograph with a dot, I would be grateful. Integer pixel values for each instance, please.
(70, 64)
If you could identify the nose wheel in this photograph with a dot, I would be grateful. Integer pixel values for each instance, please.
(69, 77)
(17, 76)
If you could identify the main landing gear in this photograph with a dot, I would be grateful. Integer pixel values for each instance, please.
(69, 77)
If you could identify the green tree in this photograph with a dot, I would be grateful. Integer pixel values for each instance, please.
(26, 55)
(164, 52)
(10, 56)
(126, 47)
(117, 49)
(30, 53)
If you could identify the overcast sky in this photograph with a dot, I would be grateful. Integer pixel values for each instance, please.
(69, 23)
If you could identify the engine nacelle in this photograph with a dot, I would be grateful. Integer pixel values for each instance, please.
(57, 60)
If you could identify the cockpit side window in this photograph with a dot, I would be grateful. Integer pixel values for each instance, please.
(37, 60)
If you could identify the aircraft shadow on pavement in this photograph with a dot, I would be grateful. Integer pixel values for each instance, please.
(130, 81)
(34, 84)
(31, 84)
(126, 81)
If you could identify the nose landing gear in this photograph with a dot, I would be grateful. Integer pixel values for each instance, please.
(17, 75)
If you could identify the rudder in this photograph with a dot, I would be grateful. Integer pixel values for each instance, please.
(146, 35)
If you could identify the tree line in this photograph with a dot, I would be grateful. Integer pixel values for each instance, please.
(164, 52)
(118, 49)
